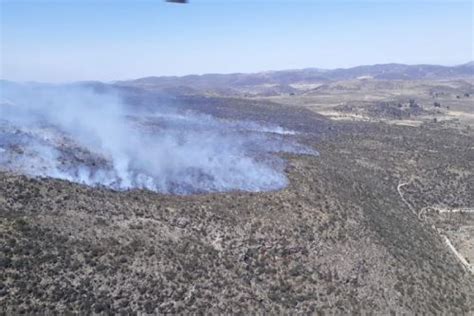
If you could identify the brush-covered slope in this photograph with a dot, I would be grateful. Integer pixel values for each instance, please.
(338, 239)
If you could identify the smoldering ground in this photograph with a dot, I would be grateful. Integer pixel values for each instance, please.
(81, 135)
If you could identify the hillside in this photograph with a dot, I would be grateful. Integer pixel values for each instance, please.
(340, 238)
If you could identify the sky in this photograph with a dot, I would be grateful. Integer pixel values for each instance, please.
(107, 40)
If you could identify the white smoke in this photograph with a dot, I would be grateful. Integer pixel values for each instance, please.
(76, 134)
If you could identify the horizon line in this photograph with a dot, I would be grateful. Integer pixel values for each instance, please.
(233, 73)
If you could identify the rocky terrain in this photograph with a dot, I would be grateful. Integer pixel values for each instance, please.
(350, 234)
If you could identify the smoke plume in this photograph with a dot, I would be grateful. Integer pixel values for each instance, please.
(77, 134)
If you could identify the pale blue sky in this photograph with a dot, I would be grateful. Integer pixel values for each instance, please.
(68, 40)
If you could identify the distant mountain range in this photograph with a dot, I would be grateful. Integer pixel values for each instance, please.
(284, 80)
(270, 83)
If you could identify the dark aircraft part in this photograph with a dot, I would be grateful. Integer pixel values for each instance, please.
(177, 1)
